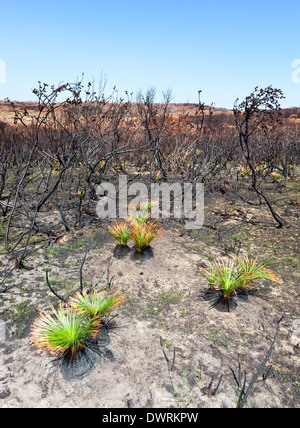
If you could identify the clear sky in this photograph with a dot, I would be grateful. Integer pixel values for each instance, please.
(225, 48)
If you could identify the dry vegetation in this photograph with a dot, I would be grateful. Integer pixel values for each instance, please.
(53, 155)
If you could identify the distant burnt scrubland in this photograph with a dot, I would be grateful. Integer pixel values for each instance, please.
(51, 151)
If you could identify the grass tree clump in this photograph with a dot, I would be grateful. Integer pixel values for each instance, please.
(75, 332)
(228, 280)
(121, 232)
(140, 228)
(97, 305)
(143, 234)
(63, 333)
(225, 282)
(227, 277)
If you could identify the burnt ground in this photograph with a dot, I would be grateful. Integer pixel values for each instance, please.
(164, 311)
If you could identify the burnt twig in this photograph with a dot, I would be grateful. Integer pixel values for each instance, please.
(243, 393)
(208, 390)
(84, 258)
(54, 292)
(171, 364)
(256, 376)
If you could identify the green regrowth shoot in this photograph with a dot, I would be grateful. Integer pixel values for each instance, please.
(143, 213)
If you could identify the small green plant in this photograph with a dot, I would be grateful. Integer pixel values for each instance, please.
(94, 305)
(229, 277)
(81, 194)
(143, 234)
(66, 332)
(143, 213)
(275, 176)
(21, 314)
(121, 232)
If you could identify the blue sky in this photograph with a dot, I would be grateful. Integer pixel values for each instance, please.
(224, 48)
